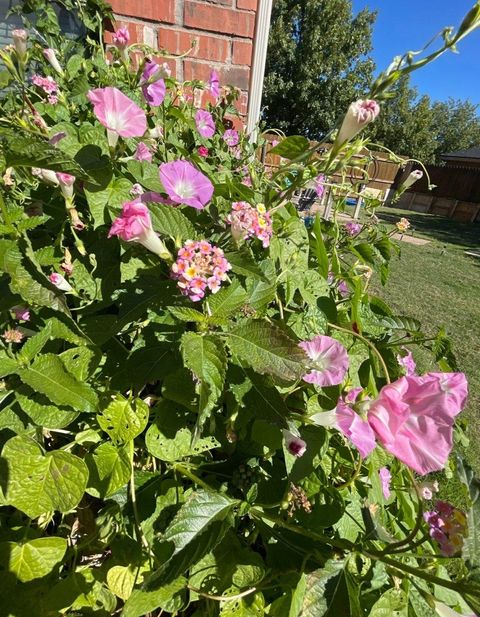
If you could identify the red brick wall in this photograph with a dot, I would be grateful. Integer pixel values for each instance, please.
(222, 29)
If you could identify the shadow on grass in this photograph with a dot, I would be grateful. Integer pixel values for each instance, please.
(445, 230)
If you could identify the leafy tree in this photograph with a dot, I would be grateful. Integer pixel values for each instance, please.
(317, 64)
(457, 124)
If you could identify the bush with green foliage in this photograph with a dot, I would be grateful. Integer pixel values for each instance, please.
(194, 378)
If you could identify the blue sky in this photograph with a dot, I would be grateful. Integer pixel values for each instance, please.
(404, 25)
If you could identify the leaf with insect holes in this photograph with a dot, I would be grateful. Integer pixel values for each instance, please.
(123, 419)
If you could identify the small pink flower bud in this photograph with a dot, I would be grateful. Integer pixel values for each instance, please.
(20, 37)
(358, 115)
(412, 178)
(121, 38)
(66, 182)
(51, 56)
(46, 175)
(21, 312)
(60, 282)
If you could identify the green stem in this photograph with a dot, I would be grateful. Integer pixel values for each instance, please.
(411, 536)
(188, 474)
(133, 497)
(369, 344)
(340, 544)
(414, 571)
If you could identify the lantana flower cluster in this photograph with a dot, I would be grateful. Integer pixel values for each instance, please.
(48, 85)
(248, 221)
(448, 526)
(199, 267)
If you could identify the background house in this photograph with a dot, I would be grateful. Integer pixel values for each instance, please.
(463, 158)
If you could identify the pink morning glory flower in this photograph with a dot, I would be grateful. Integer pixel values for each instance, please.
(230, 137)
(153, 86)
(330, 361)
(214, 84)
(66, 182)
(385, 479)
(358, 115)
(142, 153)
(413, 418)
(184, 184)
(202, 151)
(60, 282)
(295, 445)
(407, 362)
(204, 122)
(353, 425)
(121, 38)
(119, 114)
(135, 225)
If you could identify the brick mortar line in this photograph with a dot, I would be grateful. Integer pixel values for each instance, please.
(182, 28)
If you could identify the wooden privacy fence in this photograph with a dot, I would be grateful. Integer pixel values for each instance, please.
(456, 194)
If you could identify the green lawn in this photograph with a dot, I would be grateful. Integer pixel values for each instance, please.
(439, 285)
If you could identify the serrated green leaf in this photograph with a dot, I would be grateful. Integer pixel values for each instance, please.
(244, 264)
(146, 174)
(198, 533)
(196, 514)
(471, 544)
(267, 349)
(7, 365)
(38, 483)
(171, 222)
(29, 283)
(187, 314)
(326, 592)
(409, 324)
(262, 292)
(24, 149)
(123, 419)
(34, 558)
(205, 356)
(228, 300)
(53, 329)
(109, 469)
(48, 376)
